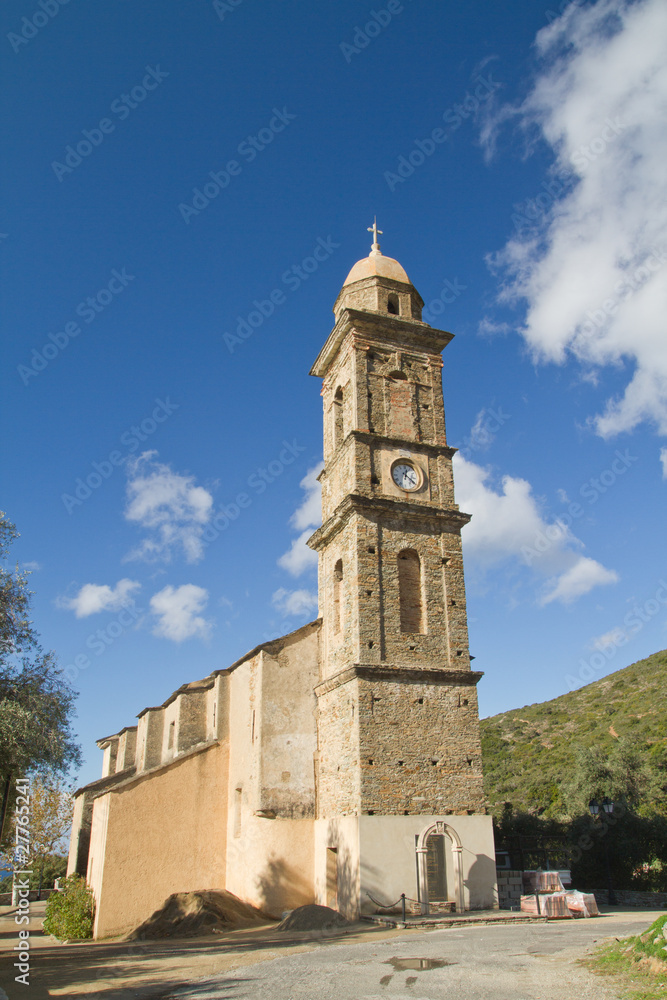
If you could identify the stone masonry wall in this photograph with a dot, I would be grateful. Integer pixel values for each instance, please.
(419, 747)
(633, 897)
(338, 751)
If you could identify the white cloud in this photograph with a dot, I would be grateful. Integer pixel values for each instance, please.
(31, 566)
(178, 610)
(299, 557)
(309, 513)
(615, 637)
(170, 506)
(93, 598)
(508, 526)
(592, 272)
(578, 580)
(663, 459)
(490, 328)
(294, 602)
(305, 519)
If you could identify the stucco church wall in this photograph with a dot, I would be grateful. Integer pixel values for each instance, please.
(272, 729)
(158, 834)
(289, 728)
(270, 863)
(339, 833)
(388, 860)
(376, 855)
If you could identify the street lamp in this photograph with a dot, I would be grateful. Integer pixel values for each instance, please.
(608, 807)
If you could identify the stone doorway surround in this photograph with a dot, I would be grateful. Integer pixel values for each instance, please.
(439, 829)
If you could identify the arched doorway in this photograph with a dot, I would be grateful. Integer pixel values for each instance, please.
(439, 829)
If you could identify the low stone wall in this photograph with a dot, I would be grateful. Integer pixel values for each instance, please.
(632, 897)
(6, 897)
(510, 888)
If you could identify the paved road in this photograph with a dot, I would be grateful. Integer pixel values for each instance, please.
(523, 962)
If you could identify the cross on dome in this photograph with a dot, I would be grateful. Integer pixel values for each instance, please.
(375, 231)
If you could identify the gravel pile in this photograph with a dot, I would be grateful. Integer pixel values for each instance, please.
(312, 918)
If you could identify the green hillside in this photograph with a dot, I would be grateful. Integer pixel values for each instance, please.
(529, 752)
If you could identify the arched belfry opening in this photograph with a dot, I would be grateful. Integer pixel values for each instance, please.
(410, 592)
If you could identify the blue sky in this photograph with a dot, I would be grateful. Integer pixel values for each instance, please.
(171, 170)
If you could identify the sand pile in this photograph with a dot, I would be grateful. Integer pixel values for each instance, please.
(184, 914)
(312, 918)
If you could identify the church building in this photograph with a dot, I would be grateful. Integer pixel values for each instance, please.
(339, 764)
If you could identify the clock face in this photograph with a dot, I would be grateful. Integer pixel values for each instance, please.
(405, 476)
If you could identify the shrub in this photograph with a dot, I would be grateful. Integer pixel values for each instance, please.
(69, 912)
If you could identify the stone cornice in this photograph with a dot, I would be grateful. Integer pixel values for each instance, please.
(374, 437)
(386, 329)
(442, 518)
(401, 675)
(377, 439)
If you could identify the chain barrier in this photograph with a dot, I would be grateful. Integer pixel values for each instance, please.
(390, 906)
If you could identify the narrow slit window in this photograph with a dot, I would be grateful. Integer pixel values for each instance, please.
(338, 418)
(337, 595)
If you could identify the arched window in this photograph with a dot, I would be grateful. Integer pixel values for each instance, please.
(410, 591)
(337, 596)
(392, 305)
(338, 417)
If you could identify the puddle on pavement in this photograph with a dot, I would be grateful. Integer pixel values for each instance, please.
(417, 964)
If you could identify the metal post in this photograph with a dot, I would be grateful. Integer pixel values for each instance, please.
(403, 906)
(611, 894)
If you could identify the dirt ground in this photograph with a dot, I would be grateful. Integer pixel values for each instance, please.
(119, 969)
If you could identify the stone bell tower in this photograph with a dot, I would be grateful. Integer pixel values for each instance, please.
(398, 728)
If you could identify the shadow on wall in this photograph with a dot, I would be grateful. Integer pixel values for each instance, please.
(480, 882)
(282, 887)
(342, 889)
(373, 879)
